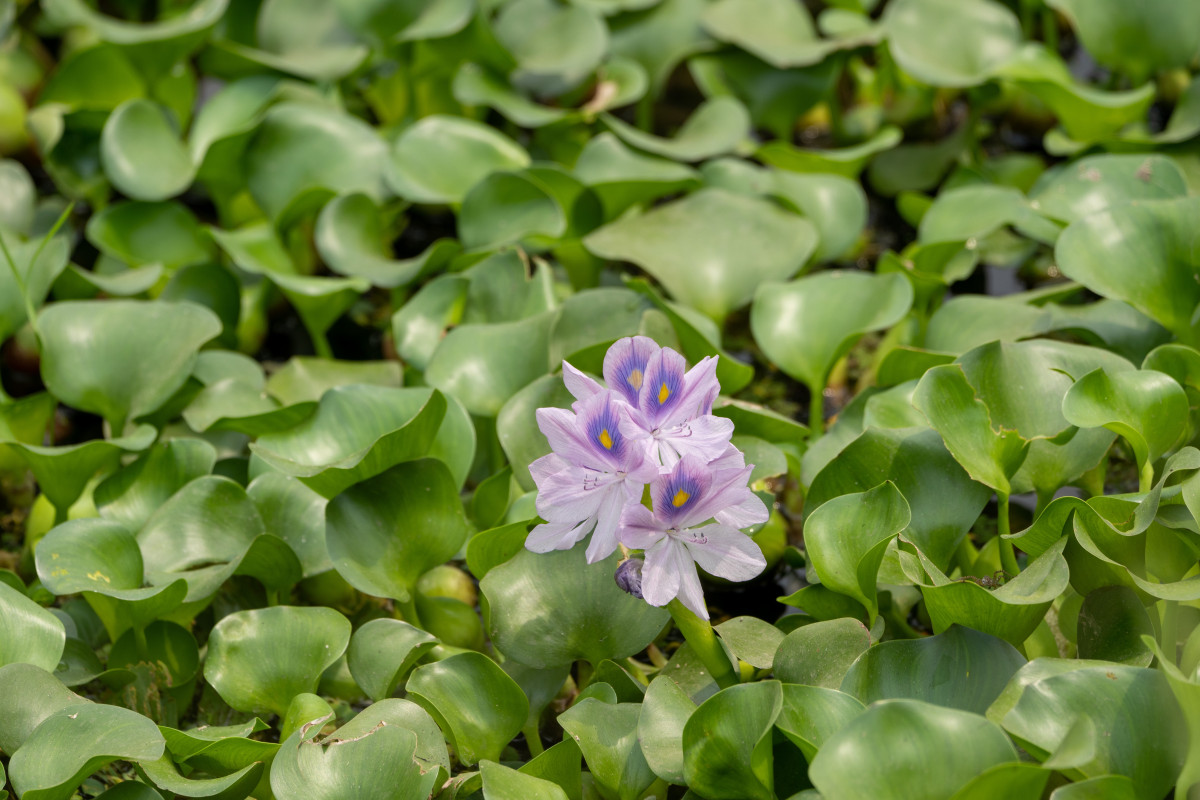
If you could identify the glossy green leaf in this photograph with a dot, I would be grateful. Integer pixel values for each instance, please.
(29, 634)
(503, 783)
(357, 432)
(383, 533)
(1101, 251)
(593, 620)
(133, 493)
(1096, 721)
(820, 653)
(751, 639)
(1096, 183)
(1147, 408)
(63, 472)
(836, 205)
(373, 754)
(715, 128)
(382, 652)
(304, 379)
(1112, 622)
(142, 155)
(671, 240)
(300, 149)
(1157, 35)
(972, 669)
(483, 365)
(440, 158)
(19, 195)
(101, 558)
(508, 207)
(39, 267)
(478, 707)
(556, 47)
(259, 660)
(294, 513)
(931, 752)
(947, 43)
(76, 741)
(847, 162)
(727, 742)
(607, 734)
(665, 712)
(622, 177)
(121, 359)
(812, 714)
(351, 241)
(149, 233)
(807, 325)
(30, 695)
(847, 536)
(164, 775)
(975, 212)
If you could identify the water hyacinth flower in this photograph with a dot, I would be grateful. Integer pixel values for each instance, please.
(594, 472)
(684, 530)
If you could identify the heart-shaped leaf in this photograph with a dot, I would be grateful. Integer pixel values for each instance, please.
(594, 619)
(503, 783)
(384, 533)
(622, 177)
(29, 695)
(259, 660)
(671, 240)
(847, 538)
(294, 513)
(1158, 35)
(508, 207)
(556, 47)
(382, 652)
(149, 233)
(715, 128)
(947, 43)
(133, 493)
(121, 359)
(477, 706)
(819, 654)
(1112, 622)
(727, 742)
(142, 154)
(665, 712)
(1095, 183)
(440, 158)
(29, 634)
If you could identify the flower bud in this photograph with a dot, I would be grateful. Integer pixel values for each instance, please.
(629, 576)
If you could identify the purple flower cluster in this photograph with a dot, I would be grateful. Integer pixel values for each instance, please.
(652, 425)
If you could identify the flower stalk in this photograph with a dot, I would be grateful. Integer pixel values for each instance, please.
(700, 635)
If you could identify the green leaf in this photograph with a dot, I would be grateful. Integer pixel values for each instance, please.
(382, 653)
(294, 513)
(351, 240)
(101, 559)
(30, 695)
(440, 158)
(1140, 254)
(503, 783)
(622, 177)
(1101, 720)
(299, 150)
(76, 741)
(477, 706)
(508, 207)
(836, 205)
(845, 161)
(305, 379)
(811, 715)
(164, 775)
(357, 432)
(1112, 622)
(121, 359)
(17, 208)
(29, 634)
(669, 241)
(608, 736)
(990, 454)
(383, 533)
(943, 749)
(419, 325)
(727, 743)
(820, 653)
(142, 154)
(949, 43)
(945, 502)
(1007, 782)
(1096, 183)
(751, 639)
(63, 472)
(39, 267)
(375, 754)
(847, 537)
(1138, 41)
(25, 421)
(154, 46)
(149, 233)
(133, 493)
(972, 669)
(807, 325)
(968, 213)
(593, 620)
(259, 660)
(476, 86)
(1147, 408)
(483, 365)
(716, 127)
(556, 47)
(665, 712)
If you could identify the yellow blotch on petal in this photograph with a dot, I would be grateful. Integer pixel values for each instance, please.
(605, 439)
(635, 379)
(663, 394)
(680, 498)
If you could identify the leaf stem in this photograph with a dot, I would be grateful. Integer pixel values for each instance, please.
(1008, 554)
(139, 639)
(1168, 634)
(408, 612)
(21, 287)
(533, 739)
(699, 634)
(1146, 477)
